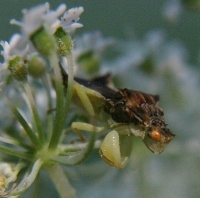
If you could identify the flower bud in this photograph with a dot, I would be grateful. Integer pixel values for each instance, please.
(43, 42)
(18, 68)
(36, 66)
(64, 42)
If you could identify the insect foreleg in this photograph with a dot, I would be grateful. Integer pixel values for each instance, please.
(86, 127)
(81, 92)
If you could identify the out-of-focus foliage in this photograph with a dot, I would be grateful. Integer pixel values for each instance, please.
(192, 4)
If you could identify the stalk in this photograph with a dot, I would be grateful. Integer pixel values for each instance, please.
(60, 180)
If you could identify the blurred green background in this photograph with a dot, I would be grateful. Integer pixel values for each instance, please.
(175, 173)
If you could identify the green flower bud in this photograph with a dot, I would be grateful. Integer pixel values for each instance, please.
(64, 42)
(36, 66)
(89, 62)
(18, 68)
(43, 42)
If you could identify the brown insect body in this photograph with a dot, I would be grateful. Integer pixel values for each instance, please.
(141, 109)
(134, 107)
(127, 106)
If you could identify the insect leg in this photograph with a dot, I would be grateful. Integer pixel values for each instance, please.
(86, 127)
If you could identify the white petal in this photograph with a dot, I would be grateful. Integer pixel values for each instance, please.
(71, 17)
(33, 18)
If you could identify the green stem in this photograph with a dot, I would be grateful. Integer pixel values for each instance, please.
(61, 182)
(46, 83)
(62, 106)
(14, 152)
(70, 82)
(15, 142)
(89, 149)
(79, 157)
(60, 116)
(23, 123)
(35, 114)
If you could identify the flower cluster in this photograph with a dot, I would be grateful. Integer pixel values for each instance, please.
(38, 124)
(32, 88)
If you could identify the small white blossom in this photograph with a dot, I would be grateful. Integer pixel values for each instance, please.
(39, 16)
(32, 19)
(16, 47)
(6, 169)
(70, 18)
(7, 175)
(92, 42)
(51, 18)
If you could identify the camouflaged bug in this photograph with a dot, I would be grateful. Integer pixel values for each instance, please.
(128, 112)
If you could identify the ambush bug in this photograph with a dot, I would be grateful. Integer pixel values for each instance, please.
(126, 112)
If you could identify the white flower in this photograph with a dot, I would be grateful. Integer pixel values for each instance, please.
(92, 42)
(16, 46)
(6, 169)
(39, 16)
(70, 18)
(25, 183)
(51, 18)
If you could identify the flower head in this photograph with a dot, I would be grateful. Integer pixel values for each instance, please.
(14, 47)
(70, 19)
(39, 16)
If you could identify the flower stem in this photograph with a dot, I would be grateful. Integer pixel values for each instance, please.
(46, 82)
(62, 106)
(89, 149)
(23, 123)
(79, 157)
(60, 116)
(35, 114)
(70, 81)
(60, 180)
(14, 152)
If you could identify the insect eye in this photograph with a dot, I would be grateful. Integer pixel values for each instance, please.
(155, 135)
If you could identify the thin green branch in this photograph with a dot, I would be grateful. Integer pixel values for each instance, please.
(60, 116)
(14, 152)
(61, 181)
(89, 148)
(15, 142)
(23, 123)
(36, 117)
(79, 156)
(70, 84)
(46, 83)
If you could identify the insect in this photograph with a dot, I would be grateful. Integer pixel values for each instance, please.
(127, 113)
